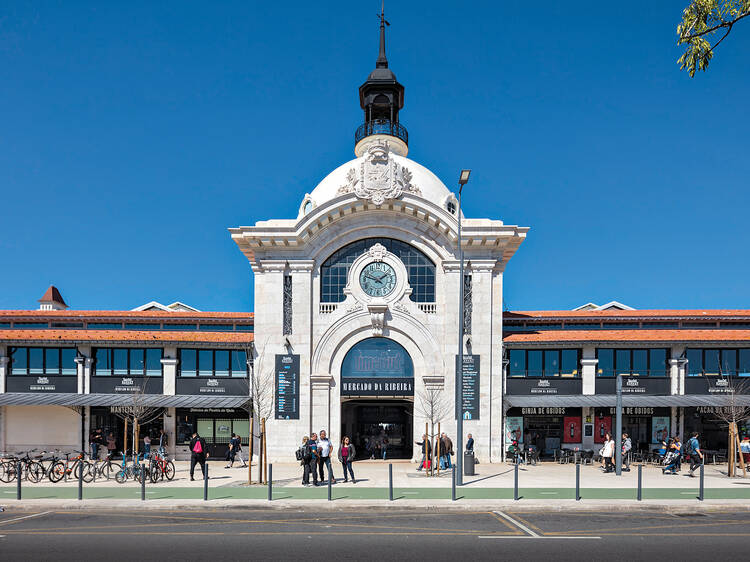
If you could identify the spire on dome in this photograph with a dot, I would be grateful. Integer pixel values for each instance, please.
(382, 61)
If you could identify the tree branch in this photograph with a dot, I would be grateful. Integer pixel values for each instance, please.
(729, 24)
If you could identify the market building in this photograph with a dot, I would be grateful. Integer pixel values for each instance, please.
(355, 330)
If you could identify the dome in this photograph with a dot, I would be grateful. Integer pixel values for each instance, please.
(424, 184)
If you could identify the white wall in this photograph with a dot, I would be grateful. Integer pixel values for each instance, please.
(41, 427)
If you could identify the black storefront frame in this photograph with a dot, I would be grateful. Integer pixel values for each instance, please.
(631, 371)
(183, 430)
(559, 375)
(541, 412)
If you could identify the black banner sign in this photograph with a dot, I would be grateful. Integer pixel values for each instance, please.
(127, 385)
(212, 385)
(470, 375)
(635, 385)
(377, 386)
(41, 383)
(287, 387)
(524, 386)
(712, 385)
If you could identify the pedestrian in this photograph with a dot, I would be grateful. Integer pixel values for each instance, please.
(198, 454)
(745, 448)
(627, 446)
(146, 445)
(448, 444)
(693, 449)
(324, 456)
(162, 442)
(94, 444)
(677, 448)
(383, 449)
(231, 450)
(426, 452)
(469, 443)
(607, 452)
(238, 449)
(347, 453)
(310, 459)
(111, 445)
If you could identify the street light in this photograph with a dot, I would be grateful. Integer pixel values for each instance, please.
(462, 181)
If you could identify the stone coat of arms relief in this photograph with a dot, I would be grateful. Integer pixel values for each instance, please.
(379, 177)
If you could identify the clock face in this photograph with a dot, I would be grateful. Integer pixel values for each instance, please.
(377, 279)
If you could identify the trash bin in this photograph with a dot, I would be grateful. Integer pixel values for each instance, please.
(469, 463)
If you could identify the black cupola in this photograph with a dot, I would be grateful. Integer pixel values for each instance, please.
(381, 97)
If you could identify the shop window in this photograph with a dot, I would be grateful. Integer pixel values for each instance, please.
(711, 362)
(153, 362)
(622, 362)
(729, 362)
(239, 363)
(36, 361)
(19, 360)
(222, 363)
(517, 366)
(205, 363)
(606, 363)
(569, 364)
(52, 360)
(213, 363)
(695, 362)
(744, 364)
(188, 362)
(640, 362)
(534, 361)
(657, 363)
(136, 362)
(120, 361)
(42, 361)
(103, 365)
(551, 363)
(68, 361)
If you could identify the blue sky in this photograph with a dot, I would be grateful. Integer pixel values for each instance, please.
(132, 137)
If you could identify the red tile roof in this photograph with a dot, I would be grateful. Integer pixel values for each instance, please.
(125, 336)
(52, 295)
(127, 314)
(597, 314)
(615, 336)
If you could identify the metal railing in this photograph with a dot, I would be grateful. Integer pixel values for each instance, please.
(381, 127)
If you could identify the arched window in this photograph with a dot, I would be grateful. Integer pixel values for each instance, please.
(334, 271)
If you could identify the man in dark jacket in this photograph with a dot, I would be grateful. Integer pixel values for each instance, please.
(448, 445)
(470, 443)
(198, 454)
(426, 451)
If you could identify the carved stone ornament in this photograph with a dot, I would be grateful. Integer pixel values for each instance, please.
(377, 252)
(377, 317)
(401, 307)
(379, 177)
(354, 307)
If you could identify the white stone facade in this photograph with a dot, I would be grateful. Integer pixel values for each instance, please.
(396, 198)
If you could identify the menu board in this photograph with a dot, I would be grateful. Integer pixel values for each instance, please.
(470, 387)
(287, 387)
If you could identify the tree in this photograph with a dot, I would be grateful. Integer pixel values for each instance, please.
(702, 22)
(261, 403)
(434, 406)
(733, 414)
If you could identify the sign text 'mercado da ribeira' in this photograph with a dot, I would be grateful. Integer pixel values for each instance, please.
(377, 367)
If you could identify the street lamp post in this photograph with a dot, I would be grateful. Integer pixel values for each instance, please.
(462, 181)
(618, 427)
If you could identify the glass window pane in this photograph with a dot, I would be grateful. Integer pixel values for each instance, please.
(640, 362)
(517, 367)
(744, 367)
(606, 365)
(551, 363)
(729, 362)
(205, 363)
(239, 363)
(188, 362)
(52, 361)
(535, 363)
(206, 428)
(136, 362)
(622, 361)
(153, 362)
(103, 361)
(36, 361)
(711, 361)
(570, 362)
(242, 428)
(19, 360)
(695, 362)
(68, 362)
(120, 361)
(222, 362)
(658, 362)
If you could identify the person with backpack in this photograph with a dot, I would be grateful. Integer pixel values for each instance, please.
(347, 452)
(233, 450)
(198, 454)
(693, 449)
(309, 454)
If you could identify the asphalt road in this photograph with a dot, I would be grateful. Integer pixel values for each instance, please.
(383, 535)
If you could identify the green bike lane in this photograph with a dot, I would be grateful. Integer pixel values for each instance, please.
(154, 492)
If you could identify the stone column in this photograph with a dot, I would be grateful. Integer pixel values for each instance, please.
(170, 426)
(80, 373)
(4, 367)
(169, 365)
(588, 370)
(320, 403)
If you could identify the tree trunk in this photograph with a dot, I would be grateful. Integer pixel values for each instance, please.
(125, 442)
(265, 452)
(250, 453)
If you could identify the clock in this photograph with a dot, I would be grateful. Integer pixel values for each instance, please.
(377, 279)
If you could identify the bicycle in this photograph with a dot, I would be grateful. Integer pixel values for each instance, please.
(32, 469)
(160, 467)
(137, 470)
(61, 469)
(107, 468)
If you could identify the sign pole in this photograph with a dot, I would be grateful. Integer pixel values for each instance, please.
(460, 366)
(618, 428)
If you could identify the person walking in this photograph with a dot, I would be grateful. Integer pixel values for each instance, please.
(696, 455)
(627, 446)
(162, 442)
(146, 445)
(383, 449)
(111, 445)
(198, 454)
(469, 443)
(310, 459)
(324, 458)
(231, 450)
(238, 449)
(448, 444)
(347, 453)
(426, 452)
(94, 444)
(745, 448)
(607, 452)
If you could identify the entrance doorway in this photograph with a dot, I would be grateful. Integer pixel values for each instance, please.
(379, 426)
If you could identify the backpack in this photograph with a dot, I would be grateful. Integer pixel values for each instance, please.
(198, 448)
(690, 446)
(300, 453)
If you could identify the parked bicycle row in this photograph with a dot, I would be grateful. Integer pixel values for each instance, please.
(56, 466)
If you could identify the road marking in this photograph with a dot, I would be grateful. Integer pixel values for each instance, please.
(549, 493)
(516, 523)
(528, 537)
(24, 517)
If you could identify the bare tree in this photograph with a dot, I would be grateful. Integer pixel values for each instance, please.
(260, 406)
(736, 411)
(137, 412)
(433, 405)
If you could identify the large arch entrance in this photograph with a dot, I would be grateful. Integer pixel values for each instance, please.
(377, 399)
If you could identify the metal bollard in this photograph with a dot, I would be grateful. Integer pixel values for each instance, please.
(80, 481)
(329, 484)
(640, 482)
(18, 483)
(515, 483)
(390, 482)
(144, 475)
(700, 491)
(578, 482)
(270, 482)
(205, 482)
(453, 484)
